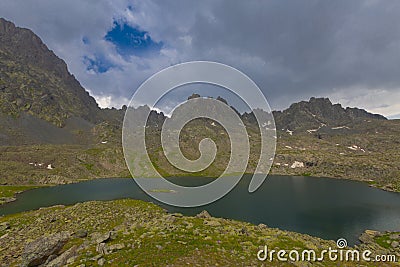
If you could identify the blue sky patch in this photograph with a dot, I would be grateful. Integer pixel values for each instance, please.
(98, 64)
(132, 41)
(85, 40)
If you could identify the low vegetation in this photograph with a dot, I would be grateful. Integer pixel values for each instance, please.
(137, 233)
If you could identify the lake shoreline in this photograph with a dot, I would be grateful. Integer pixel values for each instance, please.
(6, 200)
(294, 193)
(204, 231)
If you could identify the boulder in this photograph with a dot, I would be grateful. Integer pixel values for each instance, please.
(212, 223)
(116, 247)
(102, 249)
(101, 238)
(63, 258)
(262, 226)
(204, 214)
(81, 233)
(39, 250)
(4, 226)
(395, 236)
(372, 232)
(101, 262)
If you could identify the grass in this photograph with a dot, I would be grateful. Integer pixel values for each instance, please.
(9, 191)
(327, 157)
(148, 236)
(384, 240)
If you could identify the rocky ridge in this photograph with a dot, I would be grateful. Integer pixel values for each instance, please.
(34, 80)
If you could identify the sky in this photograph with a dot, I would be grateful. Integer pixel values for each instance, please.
(348, 51)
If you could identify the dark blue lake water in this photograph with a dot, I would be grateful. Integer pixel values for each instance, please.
(323, 207)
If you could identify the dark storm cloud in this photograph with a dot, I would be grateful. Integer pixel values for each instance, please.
(346, 50)
(310, 47)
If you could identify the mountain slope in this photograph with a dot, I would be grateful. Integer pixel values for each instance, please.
(319, 114)
(35, 81)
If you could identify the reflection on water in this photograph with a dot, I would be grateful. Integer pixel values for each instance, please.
(322, 207)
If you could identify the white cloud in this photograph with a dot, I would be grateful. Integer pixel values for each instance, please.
(380, 101)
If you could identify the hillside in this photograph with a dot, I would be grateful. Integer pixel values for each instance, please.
(35, 81)
(314, 138)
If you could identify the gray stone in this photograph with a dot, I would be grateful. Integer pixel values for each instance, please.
(212, 222)
(394, 244)
(113, 235)
(395, 236)
(101, 238)
(96, 258)
(116, 246)
(101, 262)
(262, 226)
(102, 249)
(204, 214)
(81, 233)
(366, 238)
(4, 226)
(63, 258)
(39, 250)
(372, 233)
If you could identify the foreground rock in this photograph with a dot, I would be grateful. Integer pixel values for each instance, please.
(38, 251)
(203, 214)
(63, 259)
(137, 233)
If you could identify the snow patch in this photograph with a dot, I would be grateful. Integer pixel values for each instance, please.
(312, 130)
(297, 164)
(355, 148)
(340, 127)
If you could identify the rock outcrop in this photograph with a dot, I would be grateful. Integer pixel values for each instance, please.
(38, 251)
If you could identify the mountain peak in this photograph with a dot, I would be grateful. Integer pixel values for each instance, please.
(319, 112)
(320, 100)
